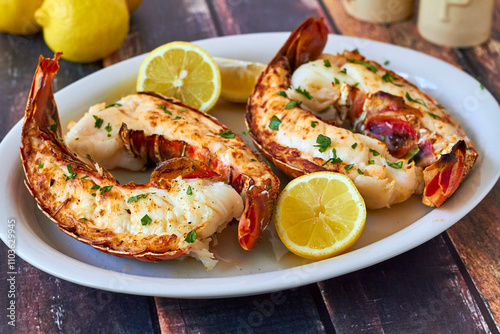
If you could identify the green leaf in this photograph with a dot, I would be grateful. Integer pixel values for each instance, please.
(326, 62)
(434, 115)
(146, 220)
(304, 92)
(53, 128)
(292, 104)
(40, 166)
(282, 93)
(360, 172)
(334, 159)
(95, 187)
(191, 237)
(397, 165)
(347, 167)
(388, 77)
(106, 189)
(189, 191)
(227, 134)
(113, 105)
(108, 128)
(353, 146)
(421, 102)
(337, 81)
(375, 153)
(275, 123)
(314, 123)
(365, 64)
(136, 198)
(98, 121)
(323, 142)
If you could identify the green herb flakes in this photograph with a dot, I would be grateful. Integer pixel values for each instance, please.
(95, 187)
(282, 93)
(98, 121)
(434, 115)
(53, 128)
(227, 134)
(360, 172)
(146, 220)
(347, 167)
(365, 64)
(304, 92)
(191, 237)
(314, 123)
(334, 159)
(292, 104)
(72, 174)
(397, 165)
(275, 123)
(323, 142)
(421, 102)
(40, 166)
(375, 153)
(326, 62)
(113, 105)
(388, 77)
(189, 191)
(106, 189)
(337, 81)
(353, 146)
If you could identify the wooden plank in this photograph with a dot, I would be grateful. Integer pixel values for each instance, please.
(290, 311)
(187, 21)
(241, 17)
(403, 33)
(477, 240)
(46, 304)
(420, 291)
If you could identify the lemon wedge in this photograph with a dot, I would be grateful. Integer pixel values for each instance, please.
(184, 71)
(320, 215)
(238, 78)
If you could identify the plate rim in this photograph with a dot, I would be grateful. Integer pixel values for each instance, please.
(261, 282)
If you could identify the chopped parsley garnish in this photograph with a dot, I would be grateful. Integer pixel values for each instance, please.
(434, 115)
(98, 122)
(360, 172)
(105, 189)
(334, 159)
(162, 107)
(293, 104)
(375, 153)
(247, 132)
(314, 123)
(282, 93)
(146, 220)
(421, 102)
(275, 123)
(382, 138)
(77, 138)
(72, 174)
(227, 134)
(53, 128)
(191, 237)
(304, 92)
(347, 167)
(337, 81)
(88, 156)
(344, 70)
(356, 84)
(189, 191)
(136, 198)
(387, 62)
(84, 177)
(253, 159)
(365, 64)
(40, 166)
(388, 77)
(323, 142)
(84, 219)
(113, 105)
(326, 62)
(481, 85)
(94, 194)
(371, 162)
(353, 146)
(108, 128)
(95, 187)
(397, 165)
(176, 118)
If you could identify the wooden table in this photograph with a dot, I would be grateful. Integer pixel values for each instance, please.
(450, 284)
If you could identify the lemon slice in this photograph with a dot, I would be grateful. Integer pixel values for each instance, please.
(238, 78)
(319, 215)
(183, 71)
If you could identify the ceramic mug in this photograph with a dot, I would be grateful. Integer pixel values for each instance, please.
(455, 23)
(379, 11)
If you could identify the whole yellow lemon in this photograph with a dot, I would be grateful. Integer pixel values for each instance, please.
(16, 17)
(84, 30)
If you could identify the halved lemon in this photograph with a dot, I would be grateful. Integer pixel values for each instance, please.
(238, 78)
(184, 71)
(320, 215)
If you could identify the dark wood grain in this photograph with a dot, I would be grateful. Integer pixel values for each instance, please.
(447, 285)
(412, 293)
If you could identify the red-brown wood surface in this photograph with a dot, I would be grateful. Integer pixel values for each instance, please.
(448, 285)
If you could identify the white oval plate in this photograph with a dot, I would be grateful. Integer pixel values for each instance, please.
(269, 267)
